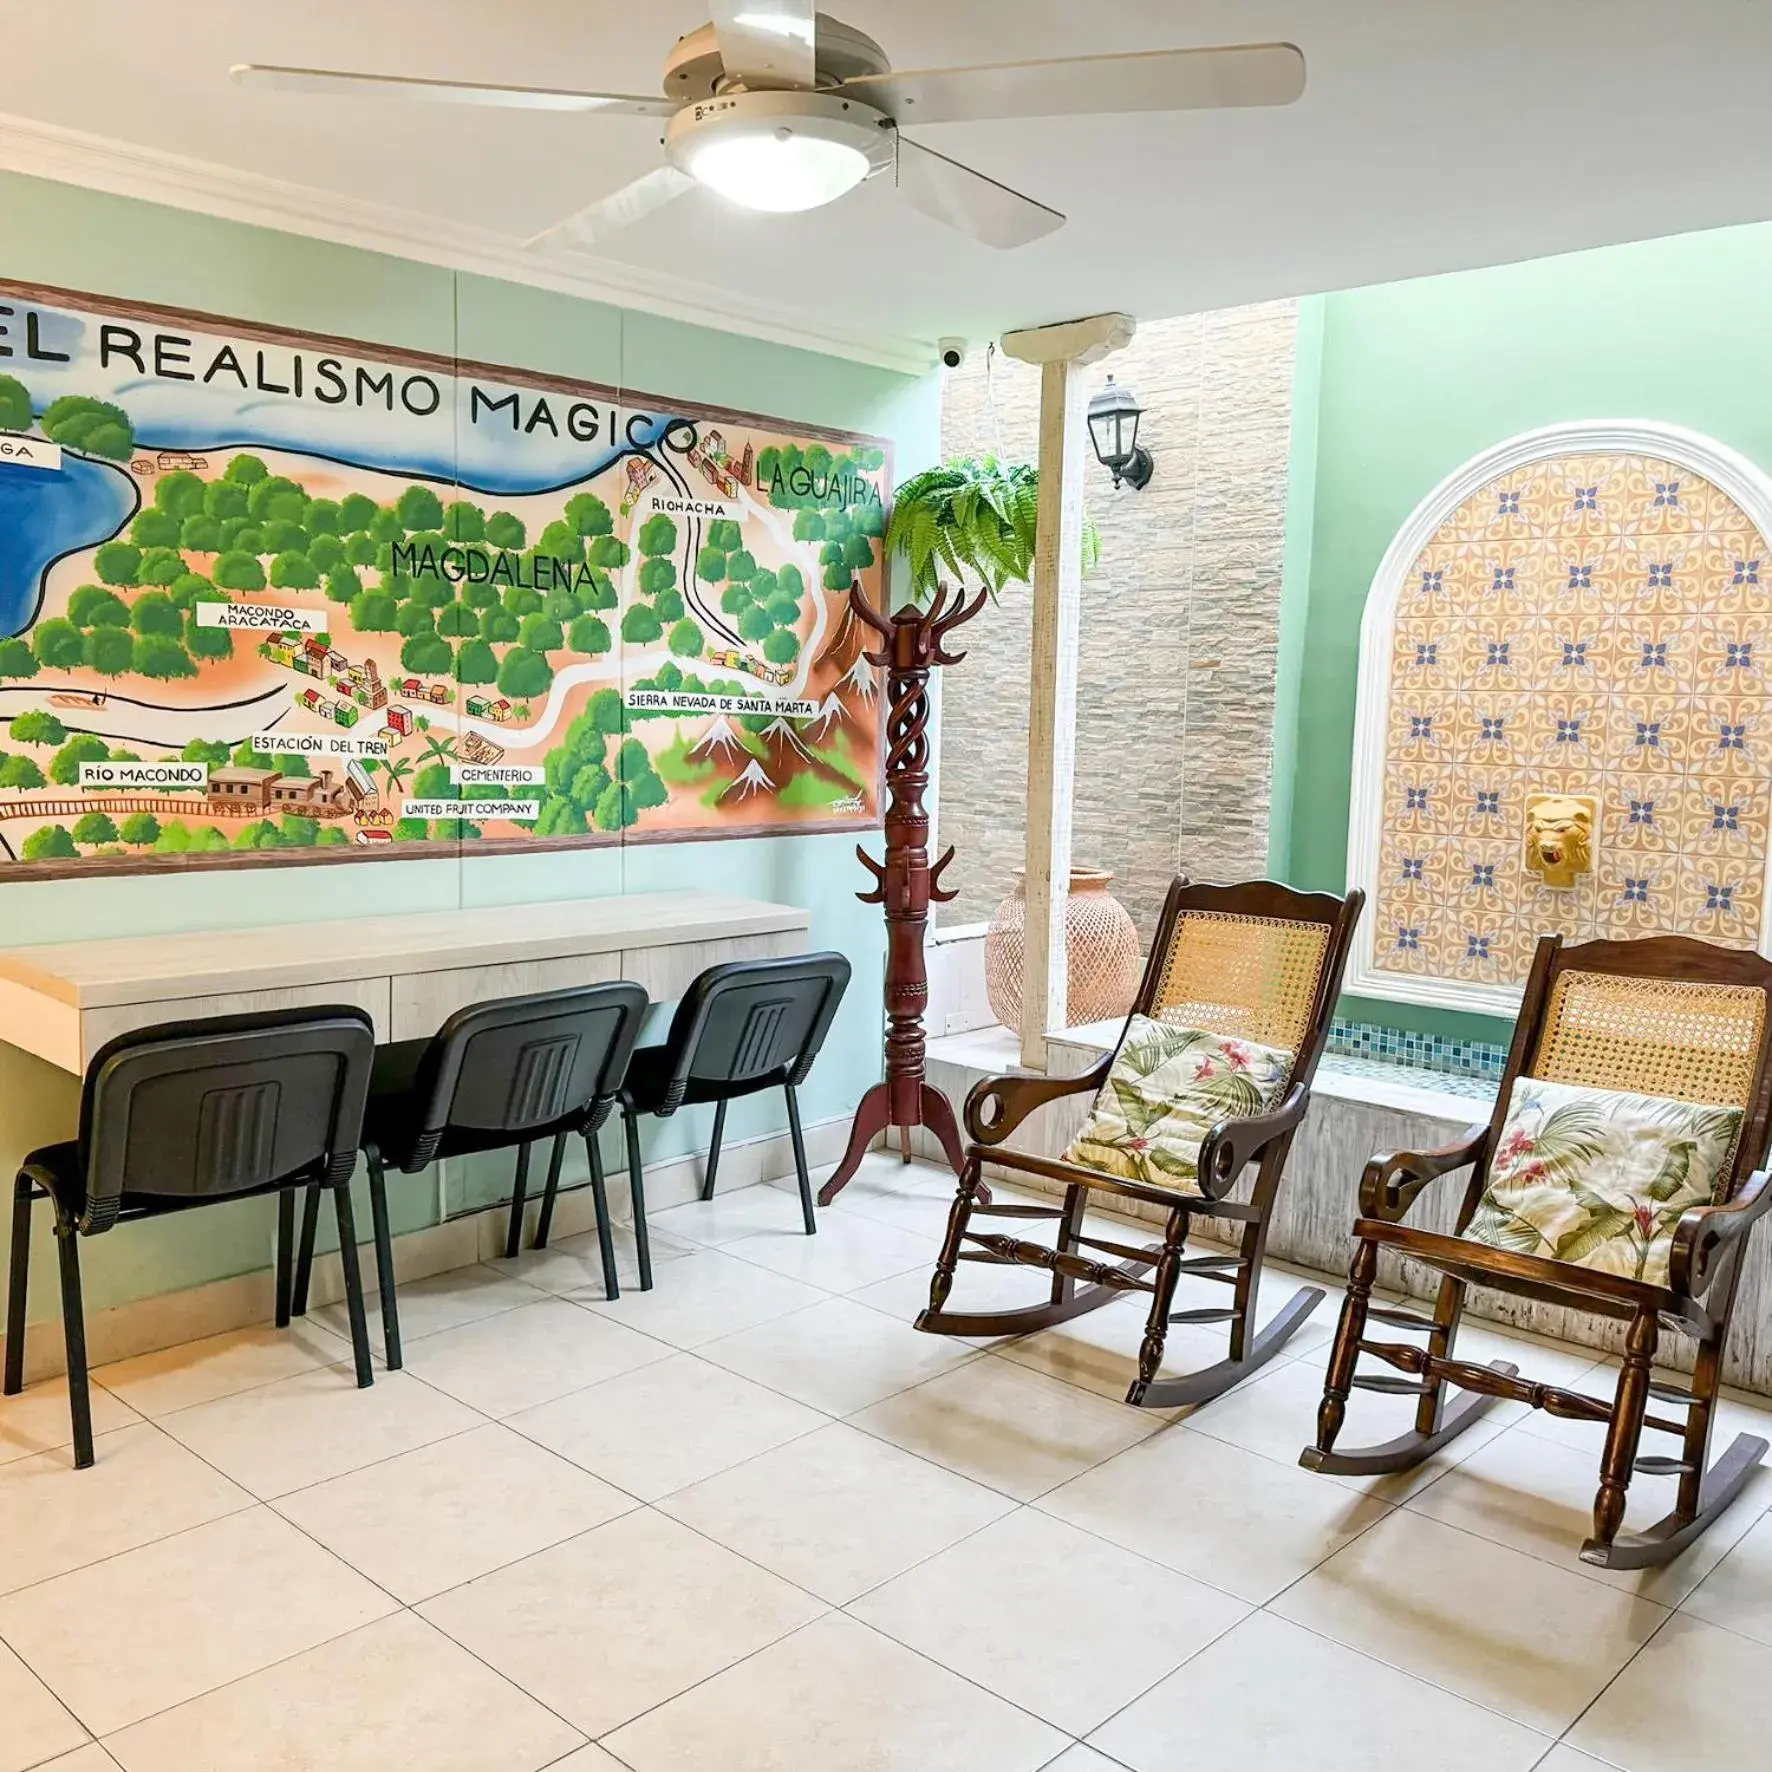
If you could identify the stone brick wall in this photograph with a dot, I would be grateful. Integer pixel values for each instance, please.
(1175, 696)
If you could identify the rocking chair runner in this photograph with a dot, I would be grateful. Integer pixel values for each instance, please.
(1670, 1017)
(1257, 962)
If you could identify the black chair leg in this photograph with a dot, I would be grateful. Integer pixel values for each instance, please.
(18, 1279)
(74, 1332)
(304, 1255)
(545, 1224)
(384, 1258)
(600, 1200)
(347, 1256)
(637, 1192)
(707, 1181)
(800, 1174)
(519, 1193)
(285, 1254)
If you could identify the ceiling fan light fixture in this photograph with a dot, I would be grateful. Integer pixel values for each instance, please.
(780, 152)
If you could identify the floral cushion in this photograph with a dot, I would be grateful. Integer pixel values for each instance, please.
(1600, 1178)
(1169, 1086)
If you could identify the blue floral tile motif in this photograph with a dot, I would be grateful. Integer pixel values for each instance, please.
(1642, 812)
(1581, 578)
(1408, 941)
(1654, 655)
(1635, 891)
(1494, 728)
(1575, 655)
(1587, 498)
(1476, 947)
(1488, 802)
(1569, 731)
(1661, 575)
(1412, 867)
(1731, 738)
(1718, 898)
(1739, 655)
(1667, 493)
(1483, 874)
(1421, 725)
(1747, 572)
(1427, 652)
(1725, 818)
(1415, 799)
(1432, 582)
(1509, 504)
(1498, 652)
(1504, 578)
(1649, 734)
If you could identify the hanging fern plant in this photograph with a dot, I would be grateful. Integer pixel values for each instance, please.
(971, 519)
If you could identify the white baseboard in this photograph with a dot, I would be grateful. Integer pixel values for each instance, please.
(145, 1325)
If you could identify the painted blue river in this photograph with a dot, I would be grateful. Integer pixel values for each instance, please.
(44, 516)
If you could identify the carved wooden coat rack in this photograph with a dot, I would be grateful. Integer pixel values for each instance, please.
(905, 883)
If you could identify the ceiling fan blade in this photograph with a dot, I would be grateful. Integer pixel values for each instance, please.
(450, 92)
(967, 200)
(767, 43)
(593, 224)
(1153, 80)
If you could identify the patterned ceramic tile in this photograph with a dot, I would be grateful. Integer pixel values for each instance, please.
(1592, 624)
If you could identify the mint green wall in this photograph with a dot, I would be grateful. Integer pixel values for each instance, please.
(1418, 377)
(79, 239)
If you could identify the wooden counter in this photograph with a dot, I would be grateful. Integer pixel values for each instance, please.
(64, 1000)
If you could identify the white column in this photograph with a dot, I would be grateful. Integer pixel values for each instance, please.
(1061, 352)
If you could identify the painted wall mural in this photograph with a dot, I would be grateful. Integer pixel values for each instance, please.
(267, 597)
(1565, 718)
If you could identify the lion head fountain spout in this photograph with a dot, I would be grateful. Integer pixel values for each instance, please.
(1560, 838)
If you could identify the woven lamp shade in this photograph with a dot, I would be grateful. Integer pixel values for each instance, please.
(1100, 944)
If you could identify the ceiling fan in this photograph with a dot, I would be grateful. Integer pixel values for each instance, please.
(777, 107)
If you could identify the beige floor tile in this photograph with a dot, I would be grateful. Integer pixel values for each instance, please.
(1276, 1415)
(154, 1627)
(220, 1366)
(837, 1512)
(920, 1212)
(1007, 1427)
(37, 1420)
(303, 1430)
(1241, 1522)
(849, 1252)
(882, 1172)
(1566, 1759)
(588, 1759)
(440, 1301)
(574, 1265)
(1737, 1594)
(1078, 1758)
(521, 1358)
(1538, 1497)
(836, 1697)
(1696, 1697)
(443, 1514)
(838, 1355)
(703, 1297)
(1270, 1697)
(397, 1693)
(1494, 1625)
(620, 1619)
(33, 1725)
(91, 1758)
(667, 1425)
(729, 1215)
(1050, 1618)
(978, 1286)
(142, 1486)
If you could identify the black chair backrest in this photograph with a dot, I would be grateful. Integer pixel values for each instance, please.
(207, 1109)
(525, 1065)
(753, 1023)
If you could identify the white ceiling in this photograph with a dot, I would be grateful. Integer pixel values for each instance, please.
(1433, 134)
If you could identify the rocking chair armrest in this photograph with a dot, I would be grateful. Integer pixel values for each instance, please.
(1232, 1144)
(1706, 1233)
(1393, 1182)
(996, 1106)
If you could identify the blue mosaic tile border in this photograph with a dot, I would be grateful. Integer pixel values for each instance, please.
(1399, 1046)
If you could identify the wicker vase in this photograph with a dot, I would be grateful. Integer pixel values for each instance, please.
(1100, 944)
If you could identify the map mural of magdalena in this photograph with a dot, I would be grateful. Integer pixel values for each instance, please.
(272, 597)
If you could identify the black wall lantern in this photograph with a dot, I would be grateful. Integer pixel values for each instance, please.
(1113, 429)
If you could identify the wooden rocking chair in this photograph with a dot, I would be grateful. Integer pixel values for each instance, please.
(1666, 1017)
(1257, 962)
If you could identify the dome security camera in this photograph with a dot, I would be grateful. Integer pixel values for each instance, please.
(953, 352)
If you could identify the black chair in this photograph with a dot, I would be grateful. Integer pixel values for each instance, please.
(193, 1113)
(498, 1074)
(740, 1028)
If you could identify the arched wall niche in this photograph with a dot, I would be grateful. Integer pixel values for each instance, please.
(1582, 610)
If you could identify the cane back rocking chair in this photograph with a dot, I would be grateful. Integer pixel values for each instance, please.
(1253, 962)
(1667, 1017)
